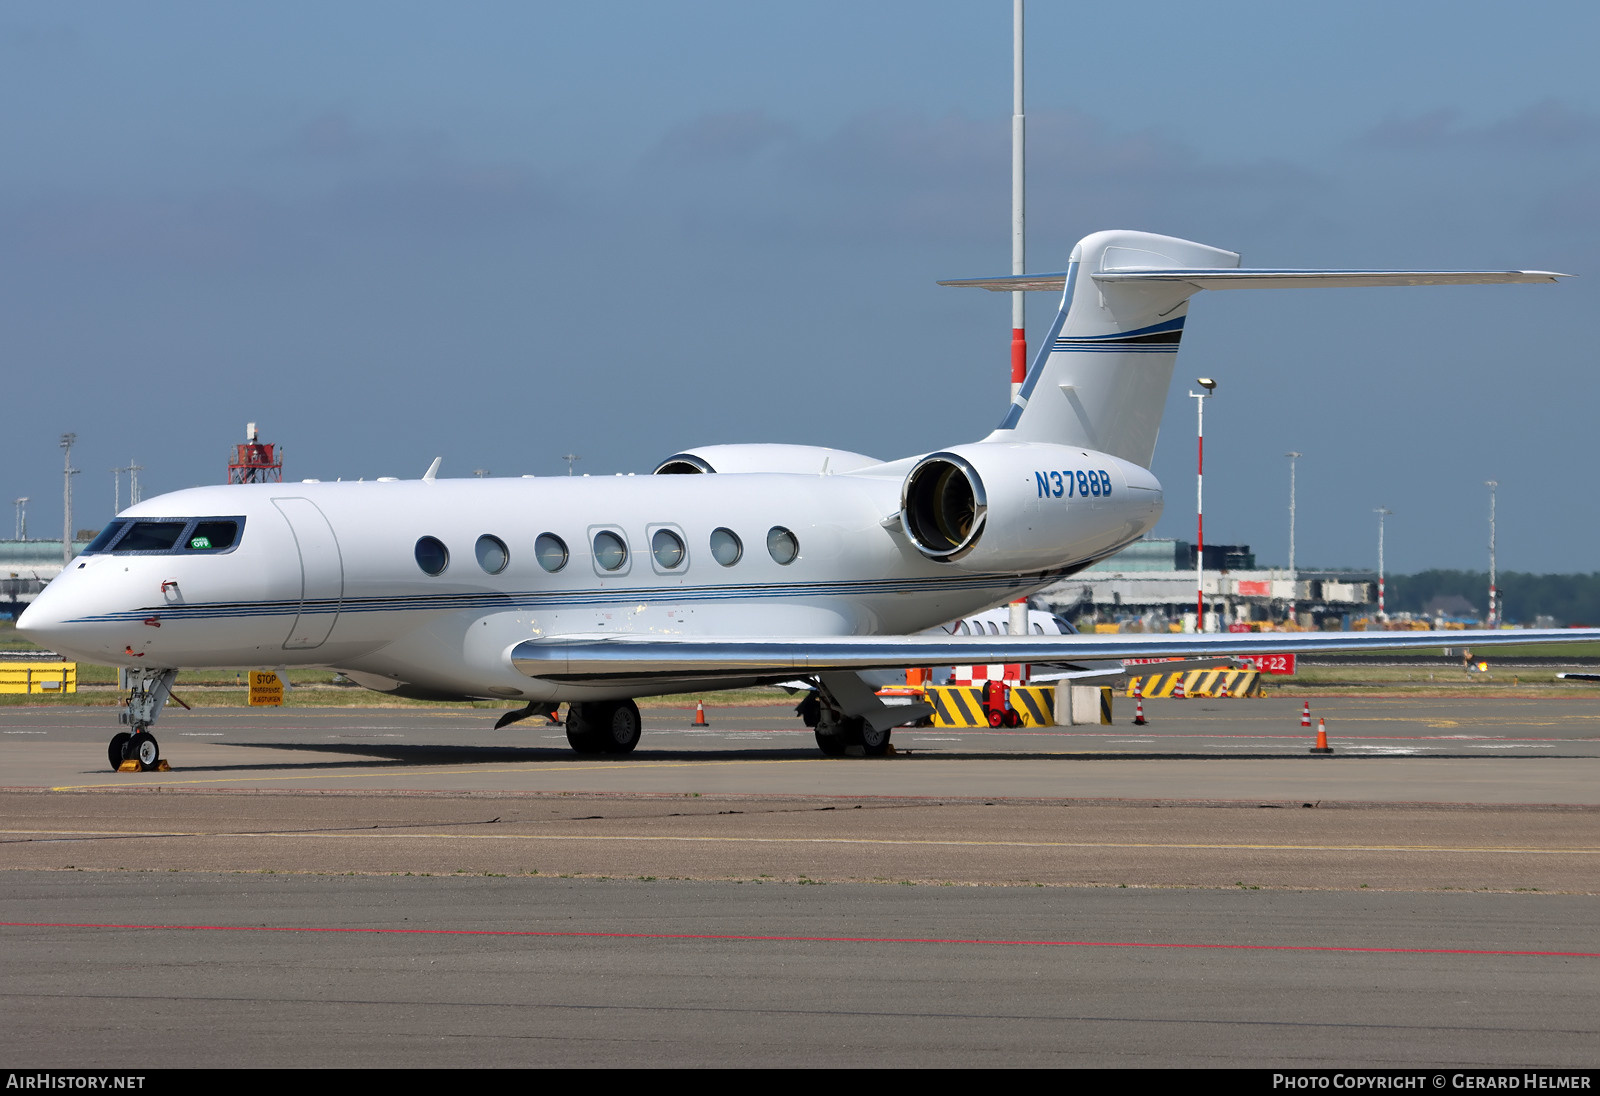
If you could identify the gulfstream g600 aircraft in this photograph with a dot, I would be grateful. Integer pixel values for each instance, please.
(732, 565)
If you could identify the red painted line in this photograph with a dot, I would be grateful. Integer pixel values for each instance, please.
(1341, 736)
(741, 938)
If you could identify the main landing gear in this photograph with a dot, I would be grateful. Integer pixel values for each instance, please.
(139, 751)
(603, 726)
(839, 735)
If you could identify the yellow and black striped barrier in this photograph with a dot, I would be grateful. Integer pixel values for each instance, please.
(41, 677)
(962, 705)
(1206, 683)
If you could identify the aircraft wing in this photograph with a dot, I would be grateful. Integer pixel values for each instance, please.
(598, 658)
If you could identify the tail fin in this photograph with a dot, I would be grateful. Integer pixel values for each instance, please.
(1100, 377)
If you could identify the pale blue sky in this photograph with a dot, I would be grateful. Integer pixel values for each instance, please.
(504, 232)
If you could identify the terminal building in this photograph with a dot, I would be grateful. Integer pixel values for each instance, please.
(26, 565)
(1150, 586)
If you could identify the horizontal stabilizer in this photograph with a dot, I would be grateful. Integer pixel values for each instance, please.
(1268, 278)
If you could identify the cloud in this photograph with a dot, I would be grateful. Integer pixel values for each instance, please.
(231, 228)
(37, 42)
(889, 175)
(330, 135)
(718, 139)
(323, 186)
(1549, 126)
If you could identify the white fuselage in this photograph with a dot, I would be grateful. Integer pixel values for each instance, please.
(327, 574)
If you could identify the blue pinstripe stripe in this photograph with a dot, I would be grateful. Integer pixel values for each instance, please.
(559, 599)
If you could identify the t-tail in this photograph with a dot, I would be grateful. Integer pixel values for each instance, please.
(1100, 377)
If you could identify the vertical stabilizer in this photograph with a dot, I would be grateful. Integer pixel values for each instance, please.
(1100, 377)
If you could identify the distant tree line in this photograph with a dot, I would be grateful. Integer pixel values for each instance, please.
(1568, 599)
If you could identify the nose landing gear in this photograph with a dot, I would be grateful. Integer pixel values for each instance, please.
(139, 751)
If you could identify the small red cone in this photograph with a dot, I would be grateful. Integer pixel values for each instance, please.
(1138, 706)
(1177, 688)
(1222, 693)
(1322, 746)
(699, 715)
(1305, 717)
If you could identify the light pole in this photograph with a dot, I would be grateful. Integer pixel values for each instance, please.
(67, 472)
(116, 491)
(1382, 512)
(1017, 623)
(133, 482)
(571, 459)
(1019, 266)
(1293, 456)
(1494, 600)
(1200, 398)
(22, 517)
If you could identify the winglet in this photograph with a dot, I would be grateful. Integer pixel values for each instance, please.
(433, 470)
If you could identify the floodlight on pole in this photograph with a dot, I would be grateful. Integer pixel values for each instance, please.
(1293, 456)
(571, 459)
(1494, 598)
(1382, 512)
(1200, 398)
(67, 472)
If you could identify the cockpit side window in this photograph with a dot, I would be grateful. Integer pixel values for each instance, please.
(211, 536)
(168, 536)
(151, 536)
(111, 532)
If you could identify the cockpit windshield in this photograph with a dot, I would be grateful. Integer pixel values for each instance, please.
(167, 536)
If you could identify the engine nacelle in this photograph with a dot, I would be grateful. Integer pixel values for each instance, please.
(1005, 507)
(757, 457)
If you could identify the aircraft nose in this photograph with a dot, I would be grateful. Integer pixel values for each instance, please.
(51, 621)
(38, 624)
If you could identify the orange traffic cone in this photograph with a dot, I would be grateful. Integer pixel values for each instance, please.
(1138, 706)
(699, 715)
(1322, 746)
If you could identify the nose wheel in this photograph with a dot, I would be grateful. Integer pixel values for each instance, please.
(138, 749)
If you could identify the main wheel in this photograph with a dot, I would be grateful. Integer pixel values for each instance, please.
(873, 743)
(118, 747)
(619, 726)
(832, 745)
(142, 747)
(582, 734)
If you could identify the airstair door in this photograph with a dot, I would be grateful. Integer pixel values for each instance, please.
(321, 573)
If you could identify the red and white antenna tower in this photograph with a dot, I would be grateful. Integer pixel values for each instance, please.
(255, 461)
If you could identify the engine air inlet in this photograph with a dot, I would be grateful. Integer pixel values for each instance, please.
(942, 506)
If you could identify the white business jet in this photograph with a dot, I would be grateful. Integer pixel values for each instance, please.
(732, 565)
